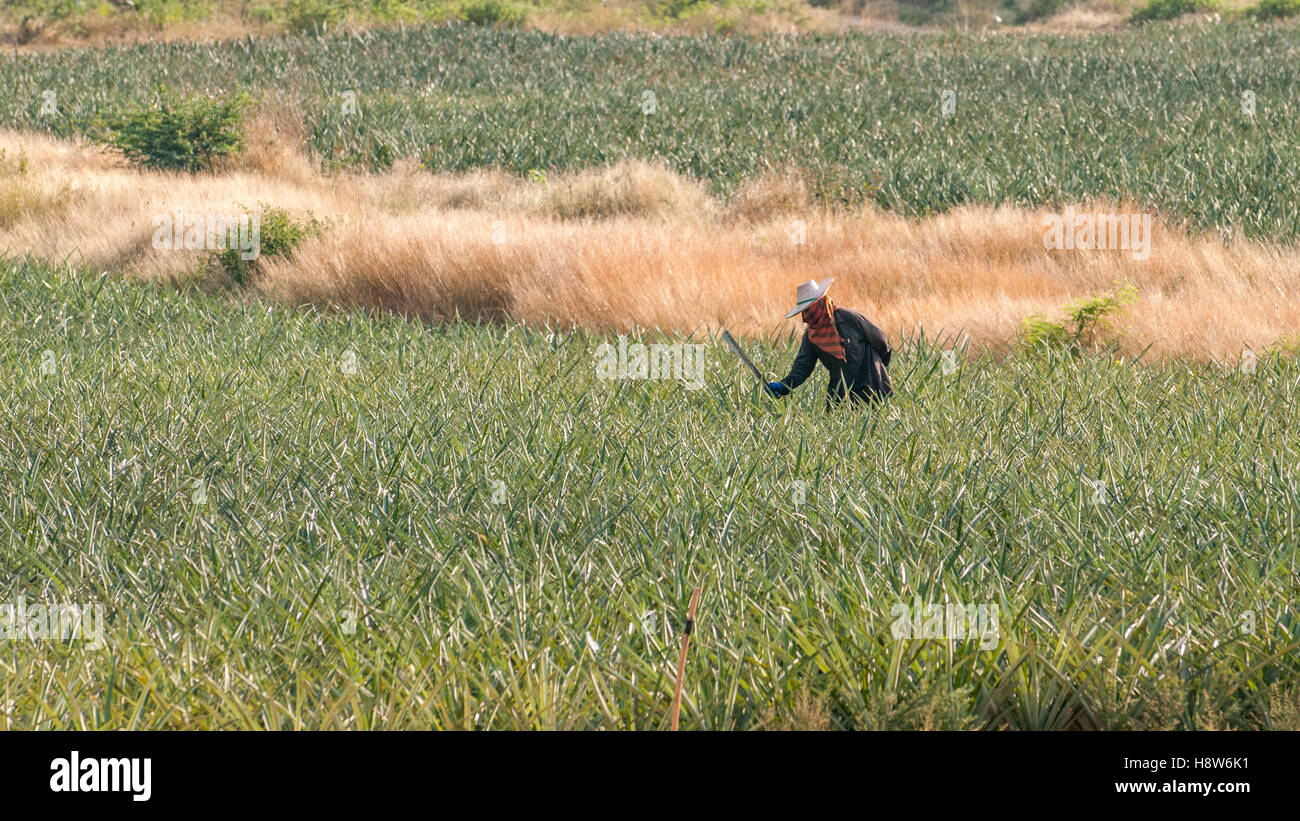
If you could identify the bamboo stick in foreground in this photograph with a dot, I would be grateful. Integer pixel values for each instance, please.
(681, 660)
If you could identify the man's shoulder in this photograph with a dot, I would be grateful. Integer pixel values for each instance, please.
(843, 314)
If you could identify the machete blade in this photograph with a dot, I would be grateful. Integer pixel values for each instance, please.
(735, 346)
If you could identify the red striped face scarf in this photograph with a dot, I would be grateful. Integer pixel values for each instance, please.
(820, 319)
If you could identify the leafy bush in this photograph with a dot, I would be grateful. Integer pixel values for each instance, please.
(48, 9)
(261, 13)
(1087, 322)
(495, 13)
(1169, 9)
(1037, 331)
(279, 234)
(1274, 9)
(392, 11)
(313, 16)
(184, 136)
(162, 12)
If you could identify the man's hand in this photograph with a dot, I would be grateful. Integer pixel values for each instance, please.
(778, 389)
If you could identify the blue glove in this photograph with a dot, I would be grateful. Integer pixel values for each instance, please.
(778, 388)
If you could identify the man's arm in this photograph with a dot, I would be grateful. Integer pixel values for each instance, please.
(804, 362)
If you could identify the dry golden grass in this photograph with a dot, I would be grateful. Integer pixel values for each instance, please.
(638, 246)
(22, 193)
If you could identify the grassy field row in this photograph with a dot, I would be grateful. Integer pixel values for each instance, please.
(295, 519)
(1199, 124)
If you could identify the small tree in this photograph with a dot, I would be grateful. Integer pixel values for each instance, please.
(184, 136)
(1087, 321)
(279, 234)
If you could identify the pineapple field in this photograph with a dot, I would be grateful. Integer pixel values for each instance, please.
(458, 448)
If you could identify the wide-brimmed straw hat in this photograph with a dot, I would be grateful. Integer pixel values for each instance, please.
(808, 293)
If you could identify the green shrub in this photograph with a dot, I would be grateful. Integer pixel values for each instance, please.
(313, 16)
(262, 13)
(184, 136)
(279, 234)
(392, 11)
(46, 10)
(1088, 322)
(1169, 9)
(494, 13)
(162, 12)
(1037, 331)
(1274, 9)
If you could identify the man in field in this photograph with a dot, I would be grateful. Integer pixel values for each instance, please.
(852, 349)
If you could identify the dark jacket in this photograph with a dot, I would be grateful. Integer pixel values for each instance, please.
(864, 374)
